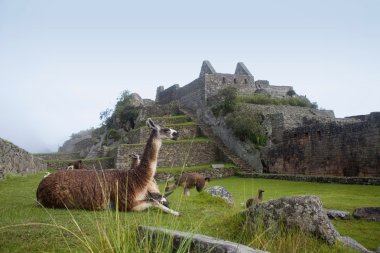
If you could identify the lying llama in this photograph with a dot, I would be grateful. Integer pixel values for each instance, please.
(95, 190)
(254, 202)
(189, 181)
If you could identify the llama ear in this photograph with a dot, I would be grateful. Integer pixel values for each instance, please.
(151, 124)
(168, 194)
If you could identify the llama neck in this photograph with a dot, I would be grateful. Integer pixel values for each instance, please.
(149, 158)
(260, 196)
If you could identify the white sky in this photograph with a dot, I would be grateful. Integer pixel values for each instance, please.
(63, 62)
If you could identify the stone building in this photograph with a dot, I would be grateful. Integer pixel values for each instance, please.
(209, 82)
(300, 140)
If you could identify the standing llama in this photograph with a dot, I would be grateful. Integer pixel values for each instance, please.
(189, 181)
(255, 202)
(95, 190)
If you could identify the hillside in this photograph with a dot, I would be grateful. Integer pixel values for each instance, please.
(261, 128)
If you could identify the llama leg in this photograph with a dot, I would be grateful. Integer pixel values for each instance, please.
(186, 192)
(141, 205)
(165, 209)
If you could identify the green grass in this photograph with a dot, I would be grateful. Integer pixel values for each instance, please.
(266, 100)
(191, 123)
(26, 227)
(55, 153)
(172, 117)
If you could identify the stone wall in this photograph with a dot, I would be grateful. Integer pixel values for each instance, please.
(157, 111)
(141, 135)
(98, 163)
(58, 156)
(172, 154)
(245, 84)
(335, 148)
(317, 179)
(18, 161)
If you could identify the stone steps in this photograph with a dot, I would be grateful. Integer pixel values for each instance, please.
(207, 131)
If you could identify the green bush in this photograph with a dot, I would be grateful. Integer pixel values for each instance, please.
(113, 134)
(224, 101)
(247, 126)
(123, 113)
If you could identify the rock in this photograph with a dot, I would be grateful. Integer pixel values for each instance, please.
(367, 213)
(199, 243)
(303, 212)
(337, 214)
(136, 100)
(220, 191)
(352, 244)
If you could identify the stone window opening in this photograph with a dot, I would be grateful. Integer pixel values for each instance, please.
(235, 81)
(245, 80)
(224, 80)
(319, 135)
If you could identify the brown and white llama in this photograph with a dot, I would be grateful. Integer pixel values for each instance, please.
(95, 190)
(78, 165)
(153, 189)
(189, 181)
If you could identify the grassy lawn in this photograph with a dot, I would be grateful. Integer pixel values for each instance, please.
(24, 226)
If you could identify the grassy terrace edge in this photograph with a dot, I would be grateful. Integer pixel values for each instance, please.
(83, 160)
(203, 167)
(171, 142)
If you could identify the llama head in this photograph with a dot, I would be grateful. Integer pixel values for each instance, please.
(260, 191)
(162, 199)
(135, 156)
(164, 133)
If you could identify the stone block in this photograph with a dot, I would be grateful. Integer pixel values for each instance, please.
(367, 213)
(197, 242)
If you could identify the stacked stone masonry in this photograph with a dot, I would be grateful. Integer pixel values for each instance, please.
(172, 154)
(350, 149)
(209, 82)
(140, 135)
(15, 160)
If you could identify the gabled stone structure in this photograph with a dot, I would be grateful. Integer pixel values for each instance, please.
(209, 82)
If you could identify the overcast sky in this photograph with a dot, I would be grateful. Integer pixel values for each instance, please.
(63, 62)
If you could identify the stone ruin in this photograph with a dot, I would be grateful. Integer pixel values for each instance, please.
(209, 82)
(300, 141)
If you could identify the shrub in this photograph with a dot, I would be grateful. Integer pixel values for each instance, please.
(124, 115)
(247, 126)
(224, 101)
(113, 134)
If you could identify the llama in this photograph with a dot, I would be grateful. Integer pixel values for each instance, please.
(189, 181)
(96, 190)
(255, 201)
(152, 187)
(136, 159)
(78, 165)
